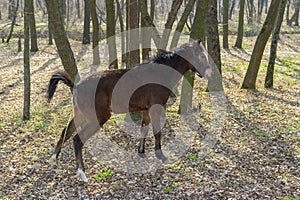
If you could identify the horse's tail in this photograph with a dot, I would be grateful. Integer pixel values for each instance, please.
(58, 76)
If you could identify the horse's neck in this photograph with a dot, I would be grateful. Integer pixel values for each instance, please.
(181, 67)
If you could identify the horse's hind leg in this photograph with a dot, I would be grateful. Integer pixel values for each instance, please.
(144, 131)
(66, 134)
(79, 140)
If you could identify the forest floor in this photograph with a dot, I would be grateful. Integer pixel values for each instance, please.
(257, 155)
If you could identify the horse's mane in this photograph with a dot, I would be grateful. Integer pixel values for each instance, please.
(163, 57)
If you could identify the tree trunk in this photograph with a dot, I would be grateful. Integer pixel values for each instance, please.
(239, 40)
(295, 17)
(260, 44)
(250, 6)
(120, 16)
(33, 35)
(110, 34)
(260, 6)
(50, 42)
(288, 13)
(273, 50)
(149, 22)
(196, 33)
(146, 38)
(13, 21)
(182, 22)
(96, 56)
(11, 8)
(152, 9)
(225, 23)
(169, 24)
(133, 50)
(26, 106)
(213, 44)
(266, 6)
(78, 9)
(61, 40)
(86, 29)
(231, 9)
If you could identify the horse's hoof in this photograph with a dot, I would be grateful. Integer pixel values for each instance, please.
(82, 176)
(159, 154)
(141, 150)
(53, 160)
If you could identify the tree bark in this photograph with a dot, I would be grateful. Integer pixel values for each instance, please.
(95, 22)
(78, 9)
(149, 22)
(33, 35)
(11, 9)
(50, 42)
(120, 16)
(133, 50)
(146, 38)
(86, 29)
(110, 34)
(26, 106)
(189, 77)
(273, 51)
(169, 24)
(14, 17)
(182, 22)
(61, 40)
(213, 42)
(231, 9)
(239, 40)
(225, 23)
(260, 44)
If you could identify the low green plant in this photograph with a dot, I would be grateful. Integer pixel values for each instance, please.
(102, 175)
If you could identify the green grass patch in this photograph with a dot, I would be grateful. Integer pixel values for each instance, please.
(102, 175)
(192, 156)
(290, 198)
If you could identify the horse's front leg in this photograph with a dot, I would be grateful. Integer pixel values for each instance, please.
(144, 131)
(155, 114)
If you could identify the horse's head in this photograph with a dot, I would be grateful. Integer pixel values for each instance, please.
(198, 59)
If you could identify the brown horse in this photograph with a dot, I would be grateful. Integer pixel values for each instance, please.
(124, 91)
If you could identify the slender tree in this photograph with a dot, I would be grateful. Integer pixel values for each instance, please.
(110, 33)
(295, 17)
(33, 35)
(121, 20)
(146, 38)
(11, 8)
(213, 42)
(86, 29)
(95, 22)
(225, 23)
(170, 21)
(50, 42)
(14, 17)
(149, 22)
(78, 9)
(61, 39)
(239, 40)
(273, 50)
(188, 8)
(26, 106)
(232, 5)
(196, 33)
(132, 41)
(260, 44)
